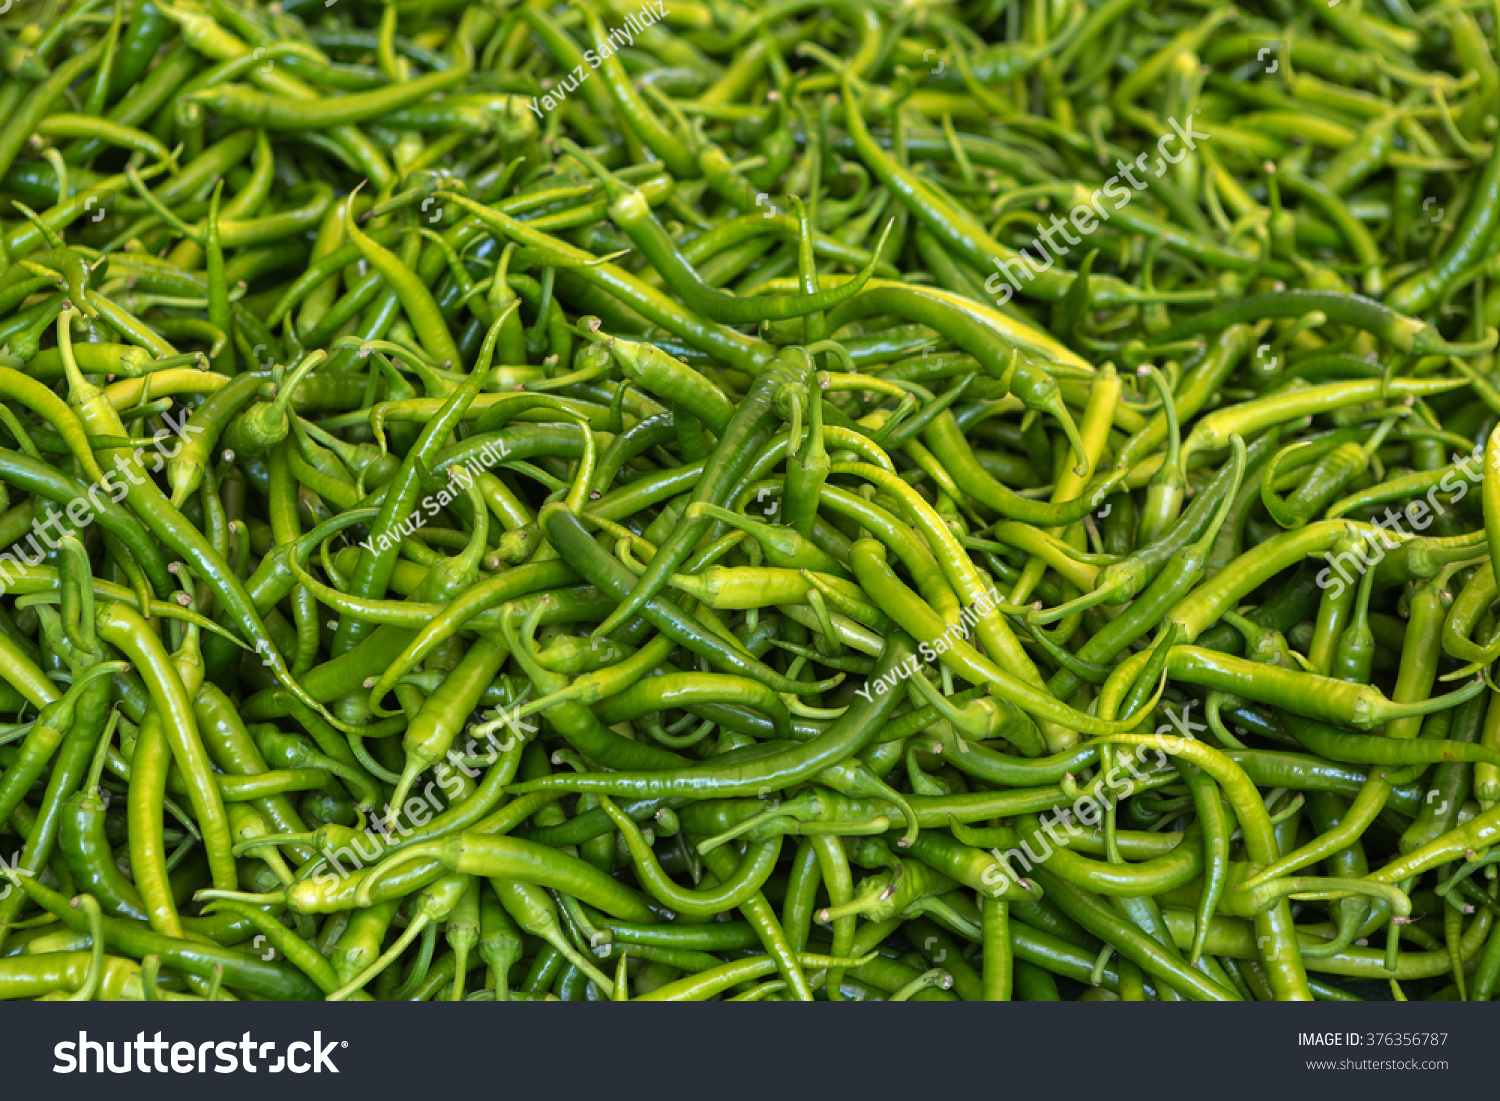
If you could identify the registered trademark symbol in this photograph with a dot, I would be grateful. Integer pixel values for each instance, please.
(343, 1043)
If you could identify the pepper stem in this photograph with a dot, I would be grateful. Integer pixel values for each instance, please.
(1428, 341)
(614, 189)
(101, 753)
(90, 906)
(872, 786)
(1054, 404)
(364, 896)
(77, 577)
(853, 908)
(393, 953)
(1389, 709)
(1323, 888)
(311, 837)
(935, 979)
(281, 403)
(60, 713)
(742, 828)
(268, 898)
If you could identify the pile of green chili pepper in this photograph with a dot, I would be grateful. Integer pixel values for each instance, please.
(924, 499)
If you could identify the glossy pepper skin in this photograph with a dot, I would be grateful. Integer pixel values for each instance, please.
(490, 510)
